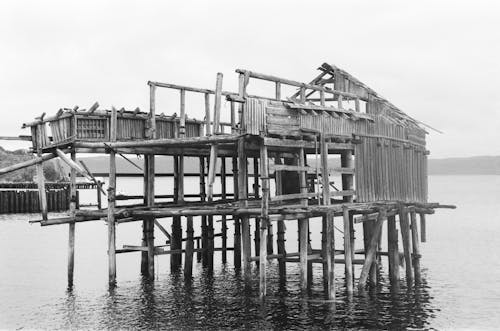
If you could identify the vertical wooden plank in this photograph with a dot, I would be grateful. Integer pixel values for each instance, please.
(416, 247)
(277, 94)
(182, 120)
(393, 250)
(405, 234)
(242, 197)
(371, 249)
(188, 264)
(224, 218)
(303, 225)
(40, 177)
(264, 219)
(281, 226)
(111, 205)
(423, 231)
(150, 221)
(145, 221)
(347, 252)
(71, 233)
(217, 103)
(208, 130)
(237, 226)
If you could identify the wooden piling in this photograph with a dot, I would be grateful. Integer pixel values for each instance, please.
(328, 235)
(281, 226)
(423, 231)
(405, 234)
(237, 225)
(176, 241)
(393, 250)
(370, 256)
(111, 205)
(150, 221)
(348, 252)
(224, 218)
(303, 224)
(71, 232)
(242, 196)
(264, 219)
(416, 247)
(188, 264)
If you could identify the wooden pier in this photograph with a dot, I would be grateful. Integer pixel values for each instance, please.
(290, 141)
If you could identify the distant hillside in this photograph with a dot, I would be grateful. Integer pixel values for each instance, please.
(51, 168)
(477, 165)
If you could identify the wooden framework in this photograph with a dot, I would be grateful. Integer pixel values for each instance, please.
(382, 169)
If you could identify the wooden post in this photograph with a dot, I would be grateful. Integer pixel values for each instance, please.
(405, 234)
(111, 204)
(207, 115)
(371, 251)
(71, 234)
(224, 219)
(423, 232)
(40, 177)
(328, 235)
(303, 227)
(237, 226)
(176, 241)
(242, 196)
(346, 161)
(347, 252)
(393, 250)
(264, 162)
(367, 236)
(416, 246)
(188, 265)
(145, 221)
(204, 236)
(99, 197)
(256, 239)
(281, 226)
(150, 221)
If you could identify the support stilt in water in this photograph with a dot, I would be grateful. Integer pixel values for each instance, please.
(151, 226)
(405, 234)
(111, 206)
(242, 196)
(71, 232)
(188, 264)
(416, 247)
(367, 235)
(423, 232)
(281, 226)
(224, 218)
(264, 219)
(393, 250)
(237, 225)
(371, 249)
(348, 253)
(346, 161)
(204, 227)
(256, 239)
(176, 241)
(145, 222)
(303, 228)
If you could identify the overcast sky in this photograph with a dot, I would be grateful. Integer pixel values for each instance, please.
(437, 61)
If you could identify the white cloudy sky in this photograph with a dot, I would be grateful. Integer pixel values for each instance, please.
(437, 60)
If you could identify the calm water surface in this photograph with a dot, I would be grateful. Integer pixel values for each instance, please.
(461, 272)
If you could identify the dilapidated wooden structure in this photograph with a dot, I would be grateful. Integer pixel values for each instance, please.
(290, 137)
